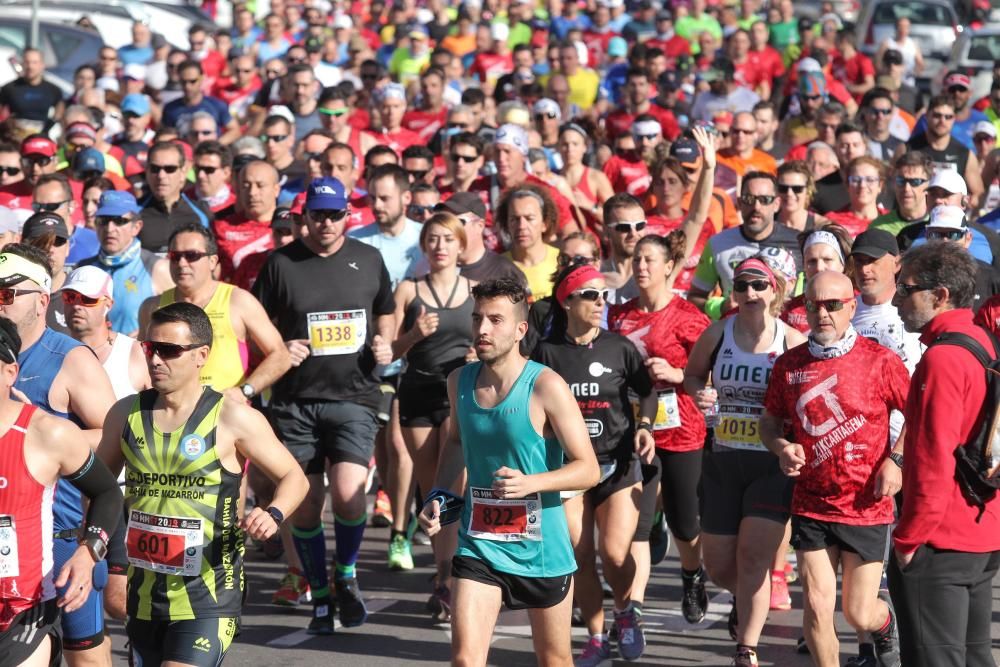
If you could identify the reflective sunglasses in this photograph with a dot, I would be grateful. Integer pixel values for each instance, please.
(830, 305)
(625, 227)
(591, 294)
(763, 200)
(912, 182)
(863, 180)
(945, 235)
(157, 168)
(905, 290)
(166, 351)
(342, 111)
(788, 187)
(51, 207)
(321, 214)
(74, 298)
(742, 286)
(418, 210)
(190, 256)
(7, 294)
(273, 137)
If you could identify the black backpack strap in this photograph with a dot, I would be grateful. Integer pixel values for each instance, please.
(969, 343)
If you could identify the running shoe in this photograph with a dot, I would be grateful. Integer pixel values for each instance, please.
(659, 540)
(349, 603)
(597, 653)
(400, 557)
(780, 599)
(801, 647)
(631, 638)
(272, 547)
(382, 512)
(887, 641)
(577, 620)
(745, 657)
(322, 620)
(439, 604)
(420, 538)
(293, 590)
(791, 574)
(733, 623)
(695, 600)
(862, 661)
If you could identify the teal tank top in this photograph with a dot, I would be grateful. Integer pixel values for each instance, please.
(527, 537)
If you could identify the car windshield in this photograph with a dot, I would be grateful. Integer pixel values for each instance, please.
(984, 47)
(919, 13)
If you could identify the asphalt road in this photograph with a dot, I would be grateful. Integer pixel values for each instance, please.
(400, 633)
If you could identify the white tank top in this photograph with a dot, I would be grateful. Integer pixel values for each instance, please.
(741, 378)
(116, 366)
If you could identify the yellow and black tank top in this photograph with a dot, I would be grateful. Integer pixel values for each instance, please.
(185, 547)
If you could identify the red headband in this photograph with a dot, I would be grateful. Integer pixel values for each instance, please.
(578, 276)
(756, 266)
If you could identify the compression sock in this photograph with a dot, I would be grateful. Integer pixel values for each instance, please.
(690, 574)
(310, 545)
(347, 536)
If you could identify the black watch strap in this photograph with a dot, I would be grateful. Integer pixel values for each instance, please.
(896, 458)
(644, 426)
(275, 514)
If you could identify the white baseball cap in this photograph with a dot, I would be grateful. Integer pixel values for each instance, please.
(985, 127)
(947, 217)
(89, 281)
(950, 181)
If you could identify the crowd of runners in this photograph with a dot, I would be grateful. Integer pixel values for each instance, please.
(542, 288)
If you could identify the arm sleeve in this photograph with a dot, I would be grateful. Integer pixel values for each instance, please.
(96, 482)
(705, 275)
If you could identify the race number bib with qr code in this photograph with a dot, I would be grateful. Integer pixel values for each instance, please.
(337, 332)
(9, 566)
(165, 544)
(504, 520)
(667, 413)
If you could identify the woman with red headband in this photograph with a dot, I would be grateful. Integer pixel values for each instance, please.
(602, 368)
(664, 327)
(745, 496)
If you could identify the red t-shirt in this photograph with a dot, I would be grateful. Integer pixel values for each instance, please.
(18, 196)
(850, 221)
(398, 141)
(770, 62)
(749, 74)
(597, 46)
(628, 176)
(242, 241)
(838, 410)
(988, 315)
(794, 314)
(425, 123)
(669, 334)
(672, 48)
(491, 66)
(361, 212)
(661, 226)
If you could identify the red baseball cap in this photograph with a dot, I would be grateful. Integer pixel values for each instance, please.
(298, 203)
(957, 79)
(38, 145)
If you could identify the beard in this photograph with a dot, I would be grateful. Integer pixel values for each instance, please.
(498, 351)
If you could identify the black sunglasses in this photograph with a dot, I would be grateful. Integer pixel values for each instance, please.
(831, 305)
(190, 256)
(742, 286)
(941, 234)
(905, 290)
(763, 200)
(50, 207)
(39, 160)
(166, 351)
(912, 182)
(418, 210)
(467, 159)
(566, 260)
(157, 168)
(206, 170)
(417, 174)
(550, 115)
(321, 214)
(116, 220)
(787, 187)
(273, 137)
(10, 171)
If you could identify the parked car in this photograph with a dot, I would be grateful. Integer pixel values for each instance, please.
(934, 25)
(974, 53)
(64, 47)
(847, 10)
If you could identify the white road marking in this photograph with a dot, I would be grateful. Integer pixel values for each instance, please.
(673, 619)
(374, 605)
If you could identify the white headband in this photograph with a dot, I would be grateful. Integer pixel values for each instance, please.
(826, 238)
(646, 128)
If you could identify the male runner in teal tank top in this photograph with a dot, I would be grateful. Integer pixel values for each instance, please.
(515, 421)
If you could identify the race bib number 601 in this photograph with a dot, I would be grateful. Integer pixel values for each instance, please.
(504, 520)
(165, 544)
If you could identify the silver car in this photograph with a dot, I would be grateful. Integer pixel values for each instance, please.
(934, 25)
(974, 54)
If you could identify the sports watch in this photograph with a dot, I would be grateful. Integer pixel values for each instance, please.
(248, 390)
(276, 514)
(897, 458)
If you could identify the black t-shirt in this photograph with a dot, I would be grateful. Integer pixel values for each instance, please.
(158, 223)
(30, 102)
(831, 194)
(600, 376)
(955, 155)
(492, 266)
(332, 302)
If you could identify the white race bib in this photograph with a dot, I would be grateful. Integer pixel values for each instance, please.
(667, 413)
(337, 332)
(9, 566)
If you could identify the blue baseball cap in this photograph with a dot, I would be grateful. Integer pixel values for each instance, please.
(135, 103)
(325, 193)
(88, 159)
(617, 47)
(116, 203)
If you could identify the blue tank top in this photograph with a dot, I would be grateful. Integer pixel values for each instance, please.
(39, 365)
(132, 273)
(526, 537)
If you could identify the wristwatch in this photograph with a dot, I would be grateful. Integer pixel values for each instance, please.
(896, 458)
(644, 426)
(248, 390)
(275, 514)
(96, 545)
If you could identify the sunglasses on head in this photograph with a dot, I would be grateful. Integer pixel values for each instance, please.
(321, 214)
(625, 227)
(190, 256)
(905, 290)
(157, 168)
(763, 200)
(116, 220)
(74, 298)
(830, 305)
(788, 187)
(591, 294)
(10, 171)
(166, 351)
(912, 182)
(742, 286)
(8, 294)
(50, 207)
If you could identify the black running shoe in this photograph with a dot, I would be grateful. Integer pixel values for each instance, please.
(695, 600)
(862, 661)
(887, 641)
(801, 647)
(322, 620)
(349, 603)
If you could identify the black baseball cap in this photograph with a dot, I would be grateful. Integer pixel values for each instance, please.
(875, 243)
(463, 202)
(282, 218)
(44, 223)
(892, 57)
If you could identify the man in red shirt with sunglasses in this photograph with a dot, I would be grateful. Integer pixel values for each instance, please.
(837, 391)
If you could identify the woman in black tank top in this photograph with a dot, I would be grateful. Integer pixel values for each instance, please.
(435, 337)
